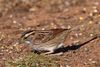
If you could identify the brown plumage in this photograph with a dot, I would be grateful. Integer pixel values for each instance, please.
(45, 40)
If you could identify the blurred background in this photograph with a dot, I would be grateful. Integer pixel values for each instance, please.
(17, 16)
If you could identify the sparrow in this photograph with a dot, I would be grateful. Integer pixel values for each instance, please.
(45, 40)
(49, 40)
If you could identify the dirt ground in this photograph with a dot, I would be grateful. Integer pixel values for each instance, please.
(16, 16)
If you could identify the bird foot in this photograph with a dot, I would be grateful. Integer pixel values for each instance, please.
(48, 53)
(53, 54)
(57, 54)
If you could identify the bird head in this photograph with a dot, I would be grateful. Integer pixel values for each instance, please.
(25, 35)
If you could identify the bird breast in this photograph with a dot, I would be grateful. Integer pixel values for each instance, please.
(48, 48)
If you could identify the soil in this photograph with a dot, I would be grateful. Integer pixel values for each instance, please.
(17, 16)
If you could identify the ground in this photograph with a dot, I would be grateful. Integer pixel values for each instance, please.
(16, 16)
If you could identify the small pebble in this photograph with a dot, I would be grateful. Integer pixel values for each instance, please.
(1, 53)
(98, 22)
(67, 3)
(10, 52)
(90, 59)
(63, 27)
(82, 25)
(71, 38)
(81, 18)
(91, 35)
(84, 9)
(68, 66)
(86, 49)
(43, 28)
(13, 58)
(2, 47)
(6, 50)
(11, 16)
(14, 21)
(68, 26)
(32, 9)
(94, 7)
(91, 14)
(11, 47)
(20, 58)
(76, 42)
(52, 24)
(85, 63)
(4, 58)
(95, 11)
(76, 35)
(80, 34)
(90, 22)
(93, 62)
(29, 28)
(66, 10)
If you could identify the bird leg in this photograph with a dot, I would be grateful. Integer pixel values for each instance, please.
(50, 52)
(57, 54)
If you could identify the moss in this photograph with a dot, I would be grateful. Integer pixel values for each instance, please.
(33, 60)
